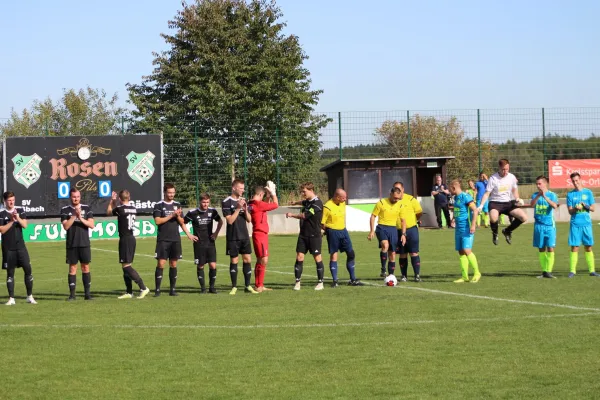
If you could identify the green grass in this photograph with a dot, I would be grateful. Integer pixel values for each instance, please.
(427, 340)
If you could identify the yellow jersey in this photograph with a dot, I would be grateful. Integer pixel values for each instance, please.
(411, 207)
(387, 212)
(334, 215)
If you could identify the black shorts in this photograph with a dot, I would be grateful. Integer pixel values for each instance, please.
(237, 247)
(15, 258)
(126, 249)
(310, 245)
(168, 251)
(81, 255)
(412, 241)
(204, 254)
(503, 207)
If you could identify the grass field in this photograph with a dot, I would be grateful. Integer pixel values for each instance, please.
(508, 336)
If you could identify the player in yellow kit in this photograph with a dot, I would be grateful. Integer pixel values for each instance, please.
(412, 214)
(338, 239)
(387, 211)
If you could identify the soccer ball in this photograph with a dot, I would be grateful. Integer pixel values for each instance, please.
(145, 172)
(391, 280)
(31, 175)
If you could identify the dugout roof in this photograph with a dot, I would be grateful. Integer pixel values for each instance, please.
(368, 179)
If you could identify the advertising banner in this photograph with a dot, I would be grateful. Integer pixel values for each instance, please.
(42, 170)
(53, 231)
(560, 170)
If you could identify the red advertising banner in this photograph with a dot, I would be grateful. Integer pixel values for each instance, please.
(560, 170)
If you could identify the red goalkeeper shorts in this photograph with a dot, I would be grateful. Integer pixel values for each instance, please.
(260, 241)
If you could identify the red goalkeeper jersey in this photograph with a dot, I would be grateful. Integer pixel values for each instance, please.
(258, 214)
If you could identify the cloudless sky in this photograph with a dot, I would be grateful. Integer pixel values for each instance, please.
(365, 55)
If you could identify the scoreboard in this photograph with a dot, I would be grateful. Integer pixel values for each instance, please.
(42, 170)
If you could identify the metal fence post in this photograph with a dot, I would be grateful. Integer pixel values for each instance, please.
(277, 155)
(197, 167)
(544, 142)
(122, 125)
(479, 139)
(245, 165)
(340, 134)
(408, 131)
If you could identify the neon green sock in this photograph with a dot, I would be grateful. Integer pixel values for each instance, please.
(573, 257)
(543, 261)
(473, 261)
(478, 219)
(589, 258)
(487, 220)
(464, 267)
(549, 261)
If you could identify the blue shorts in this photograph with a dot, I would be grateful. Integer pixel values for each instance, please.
(463, 239)
(338, 240)
(389, 233)
(544, 236)
(412, 241)
(485, 206)
(579, 235)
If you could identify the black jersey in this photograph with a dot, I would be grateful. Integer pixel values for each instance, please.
(125, 214)
(169, 231)
(239, 229)
(310, 225)
(202, 223)
(13, 238)
(78, 234)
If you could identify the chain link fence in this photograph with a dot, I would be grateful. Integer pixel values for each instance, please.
(201, 157)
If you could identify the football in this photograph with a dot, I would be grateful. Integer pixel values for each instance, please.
(31, 175)
(145, 172)
(391, 280)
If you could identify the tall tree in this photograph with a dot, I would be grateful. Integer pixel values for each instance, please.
(431, 137)
(84, 112)
(231, 91)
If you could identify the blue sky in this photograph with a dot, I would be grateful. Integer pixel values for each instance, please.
(377, 55)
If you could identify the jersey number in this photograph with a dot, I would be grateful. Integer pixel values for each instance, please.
(130, 221)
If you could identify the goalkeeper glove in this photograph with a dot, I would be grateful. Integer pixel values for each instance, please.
(271, 188)
(585, 207)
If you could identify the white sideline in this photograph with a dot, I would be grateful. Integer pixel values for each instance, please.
(293, 326)
(473, 296)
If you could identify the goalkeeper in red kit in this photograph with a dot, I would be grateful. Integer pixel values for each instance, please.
(260, 229)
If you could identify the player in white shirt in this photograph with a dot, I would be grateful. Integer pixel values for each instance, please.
(503, 195)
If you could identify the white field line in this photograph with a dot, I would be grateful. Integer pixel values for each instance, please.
(435, 291)
(294, 326)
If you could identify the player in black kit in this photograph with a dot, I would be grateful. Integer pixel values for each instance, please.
(121, 207)
(77, 219)
(14, 253)
(235, 211)
(205, 250)
(167, 215)
(310, 238)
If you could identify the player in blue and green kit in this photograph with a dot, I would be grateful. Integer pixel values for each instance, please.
(480, 187)
(544, 202)
(580, 202)
(465, 216)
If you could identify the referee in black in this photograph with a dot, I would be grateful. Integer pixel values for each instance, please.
(14, 253)
(121, 207)
(78, 219)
